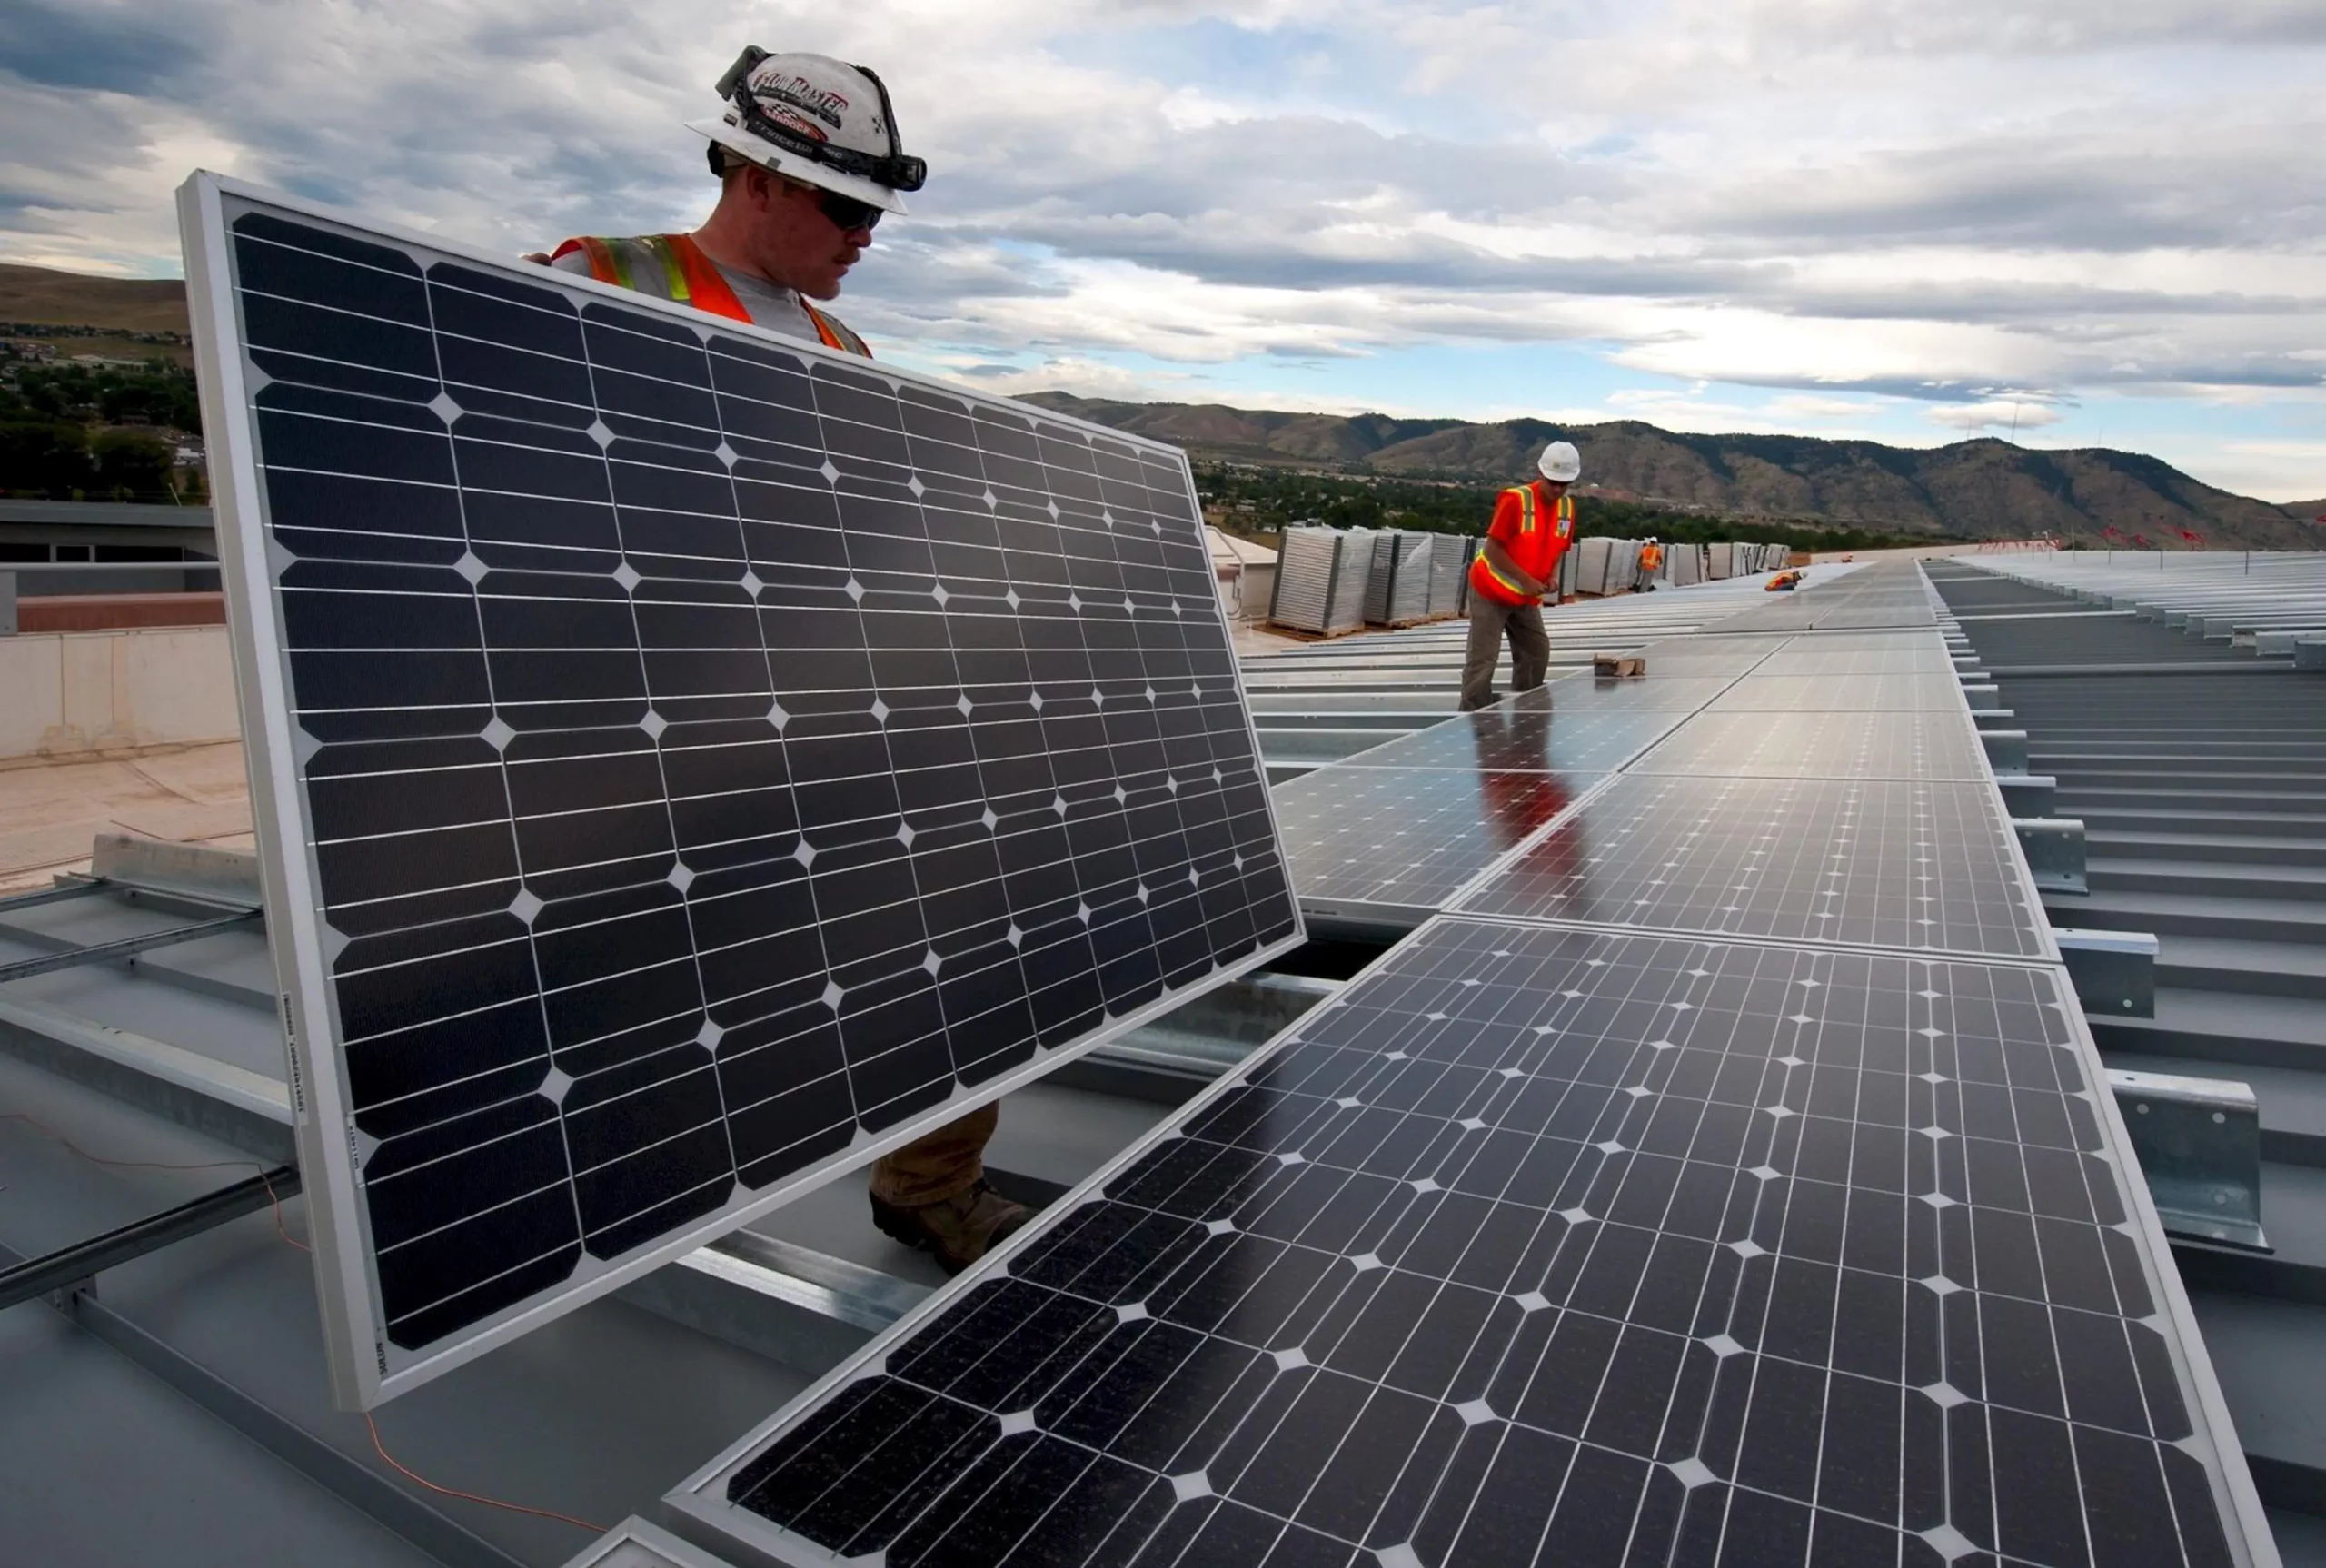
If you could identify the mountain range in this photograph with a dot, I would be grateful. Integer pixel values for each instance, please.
(1982, 489)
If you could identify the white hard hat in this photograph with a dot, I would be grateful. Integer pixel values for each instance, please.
(1562, 462)
(817, 120)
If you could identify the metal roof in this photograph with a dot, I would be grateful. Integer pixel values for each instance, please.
(2197, 766)
(2199, 794)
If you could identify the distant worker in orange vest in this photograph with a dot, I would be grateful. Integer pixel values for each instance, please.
(1651, 562)
(808, 158)
(1517, 565)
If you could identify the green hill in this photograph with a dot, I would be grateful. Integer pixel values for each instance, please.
(1982, 489)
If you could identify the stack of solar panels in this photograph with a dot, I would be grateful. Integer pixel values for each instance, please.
(1314, 579)
(1450, 564)
(1345, 609)
(1684, 564)
(1729, 1179)
(1590, 558)
(1397, 586)
(1623, 565)
(1304, 578)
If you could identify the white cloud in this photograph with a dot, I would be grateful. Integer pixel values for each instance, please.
(1822, 205)
(1995, 414)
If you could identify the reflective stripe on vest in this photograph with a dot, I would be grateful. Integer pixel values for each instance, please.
(688, 277)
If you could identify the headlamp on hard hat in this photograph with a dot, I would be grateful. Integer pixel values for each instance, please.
(891, 169)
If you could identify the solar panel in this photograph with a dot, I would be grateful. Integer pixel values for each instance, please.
(687, 761)
(1920, 865)
(1709, 655)
(1386, 847)
(1587, 693)
(1528, 732)
(1549, 1245)
(1828, 654)
(1871, 615)
(1833, 745)
(1862, 694)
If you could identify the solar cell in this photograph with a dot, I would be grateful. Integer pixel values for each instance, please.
(1556, 1246)
(1923, 865)
(1832, 745)
(1386, 847)
(686, 761)
(1530, 732)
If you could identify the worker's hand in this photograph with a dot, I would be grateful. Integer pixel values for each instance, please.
(539, 258)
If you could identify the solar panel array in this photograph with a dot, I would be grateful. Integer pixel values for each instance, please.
(1910, 744)
(1387, 847)
(1533, 732)
(689, 760)
(1383, 839)
(1915, 864)
(1547, 1242)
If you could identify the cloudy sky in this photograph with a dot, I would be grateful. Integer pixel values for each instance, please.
(2088, 221)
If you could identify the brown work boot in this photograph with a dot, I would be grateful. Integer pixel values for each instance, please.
(960, 1230)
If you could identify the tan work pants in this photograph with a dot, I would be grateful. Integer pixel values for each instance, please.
(937, 1166)
(1530, 648)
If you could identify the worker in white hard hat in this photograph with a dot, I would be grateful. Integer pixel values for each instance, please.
(1517, 565)
(809, 159)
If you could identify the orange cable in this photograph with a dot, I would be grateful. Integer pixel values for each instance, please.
(381, 1449)
(45, 1130)
(264, 1180)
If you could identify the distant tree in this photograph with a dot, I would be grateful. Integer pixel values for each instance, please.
(133, 467)
(45, 459)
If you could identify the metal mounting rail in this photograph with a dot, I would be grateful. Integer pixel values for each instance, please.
(125, 947)
(68, 1266)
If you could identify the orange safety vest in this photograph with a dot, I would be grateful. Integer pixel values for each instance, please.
(683, 273)
(1536, 550)
(1651, 556)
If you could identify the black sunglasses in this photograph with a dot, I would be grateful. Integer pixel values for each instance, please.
(846, 212)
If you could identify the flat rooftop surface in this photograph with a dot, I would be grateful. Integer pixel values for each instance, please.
(51, 808)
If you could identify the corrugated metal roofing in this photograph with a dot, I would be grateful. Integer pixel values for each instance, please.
(2199, 772)
(2206, 825)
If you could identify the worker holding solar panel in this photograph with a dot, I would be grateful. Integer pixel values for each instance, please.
(1533, 526)
(809, 159)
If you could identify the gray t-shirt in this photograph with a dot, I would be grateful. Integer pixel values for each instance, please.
(772, 305)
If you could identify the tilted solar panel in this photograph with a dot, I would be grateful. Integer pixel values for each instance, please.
(1545, 1245)
(687, 761)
